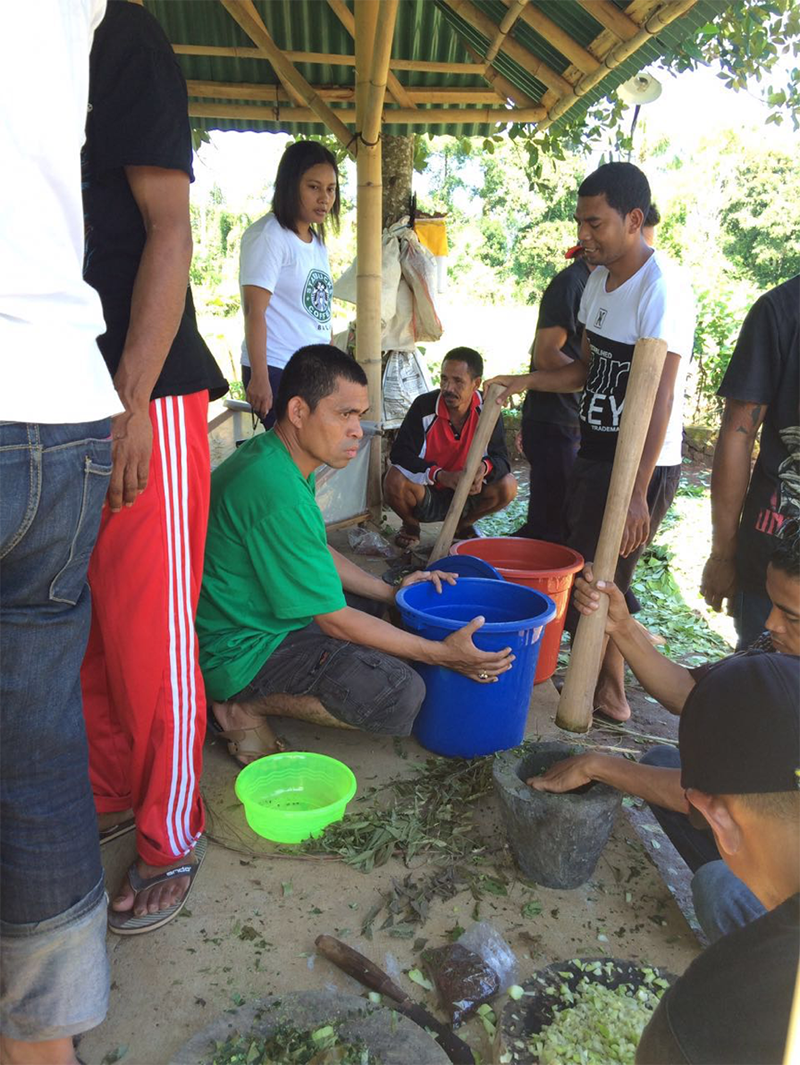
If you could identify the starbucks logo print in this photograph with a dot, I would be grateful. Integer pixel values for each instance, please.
(317, 296)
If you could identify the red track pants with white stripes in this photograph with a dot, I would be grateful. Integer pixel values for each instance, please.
(143, 694)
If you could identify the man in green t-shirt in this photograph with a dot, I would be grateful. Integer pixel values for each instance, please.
(287, 625)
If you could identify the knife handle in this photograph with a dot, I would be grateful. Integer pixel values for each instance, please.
(359, 967)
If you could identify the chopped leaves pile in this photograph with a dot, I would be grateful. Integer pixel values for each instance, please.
(594, 1024)
(291, 1046)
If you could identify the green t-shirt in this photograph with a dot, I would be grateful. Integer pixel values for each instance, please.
(268, 570)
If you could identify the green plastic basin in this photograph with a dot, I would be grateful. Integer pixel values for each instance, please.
(292, 796)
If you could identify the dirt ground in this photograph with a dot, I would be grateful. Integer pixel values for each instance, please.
(248, 929)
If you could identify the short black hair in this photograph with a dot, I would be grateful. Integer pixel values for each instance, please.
(470, 356)
(298, 158)
(313, 373)
(786, 552)
(624, 186)
(653, 217)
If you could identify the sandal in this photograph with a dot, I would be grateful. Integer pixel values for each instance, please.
(248, 744)
(126, 923)
(115, 831)
(408, 537)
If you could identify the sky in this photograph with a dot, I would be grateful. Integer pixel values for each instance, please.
(691, 106)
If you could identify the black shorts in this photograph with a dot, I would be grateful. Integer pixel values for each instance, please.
(367, 689)
(587, 490)
(436, 503)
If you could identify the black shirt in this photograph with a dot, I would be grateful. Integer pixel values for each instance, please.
(732, 1005)
(559, 309)
(138, 116)
(765, 368)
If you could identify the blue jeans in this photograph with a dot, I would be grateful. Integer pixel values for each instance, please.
(722, 901)
(274, 374)
(750, 612)
(52, 903)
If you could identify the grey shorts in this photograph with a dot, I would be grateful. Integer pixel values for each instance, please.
(436, 503)
(367, 689)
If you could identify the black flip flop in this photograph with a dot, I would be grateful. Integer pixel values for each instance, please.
(115, 831)
(126, 923)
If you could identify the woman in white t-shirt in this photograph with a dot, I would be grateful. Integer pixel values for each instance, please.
(284, 272)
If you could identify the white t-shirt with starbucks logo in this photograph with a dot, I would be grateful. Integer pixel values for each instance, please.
(298, 276)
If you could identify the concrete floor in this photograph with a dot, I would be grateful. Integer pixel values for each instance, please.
(248, 929)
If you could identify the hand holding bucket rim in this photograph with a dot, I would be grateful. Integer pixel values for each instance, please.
(458, 652)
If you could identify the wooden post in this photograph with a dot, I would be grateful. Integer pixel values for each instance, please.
(576, 704)
(368, 242)
(486, 423)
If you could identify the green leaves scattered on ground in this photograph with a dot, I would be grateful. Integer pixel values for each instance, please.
(531, 909)
(426, 812)
(665, 611)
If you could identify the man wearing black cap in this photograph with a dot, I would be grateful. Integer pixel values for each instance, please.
(740, 746)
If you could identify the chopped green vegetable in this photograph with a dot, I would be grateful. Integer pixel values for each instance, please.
(515, 992)
(602, 1027)
(418, 978)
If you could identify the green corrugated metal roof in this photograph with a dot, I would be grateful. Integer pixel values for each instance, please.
(425, 29)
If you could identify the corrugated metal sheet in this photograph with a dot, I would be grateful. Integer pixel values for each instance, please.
(425, 29)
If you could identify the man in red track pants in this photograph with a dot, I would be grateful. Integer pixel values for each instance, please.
(144, 699)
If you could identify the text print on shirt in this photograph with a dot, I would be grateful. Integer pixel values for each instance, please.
(317, 296)
(604, 396)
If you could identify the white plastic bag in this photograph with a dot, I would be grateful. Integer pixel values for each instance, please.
(419, 270)
(345, 287)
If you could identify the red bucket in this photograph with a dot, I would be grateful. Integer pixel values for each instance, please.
(537, 564)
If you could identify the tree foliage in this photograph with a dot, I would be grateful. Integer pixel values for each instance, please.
(751, 40)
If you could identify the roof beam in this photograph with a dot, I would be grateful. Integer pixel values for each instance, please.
(329, 59)
(271, 94)
(662, 17)
(559, 38)
(527, 60)
(515, 9)
(434, 116)
(244, 12)
(609, 15)
(501, 85)
(347, 19)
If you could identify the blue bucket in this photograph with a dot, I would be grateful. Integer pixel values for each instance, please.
(459, 716)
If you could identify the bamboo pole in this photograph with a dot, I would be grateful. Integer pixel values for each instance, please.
(379, 70)
(245, 13)
(559, 38)
(368, 240)
(791, 1055)
(609, 15)
(232, 90)
(433, 116)
(490, 412)
(328, 58)
(345, 16)
(527, 60)
(576, 703)
(507, 24)
(666, 14)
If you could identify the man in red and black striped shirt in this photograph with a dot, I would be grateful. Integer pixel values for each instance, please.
(430, 452)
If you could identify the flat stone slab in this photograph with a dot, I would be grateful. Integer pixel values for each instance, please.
(391, 1037)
